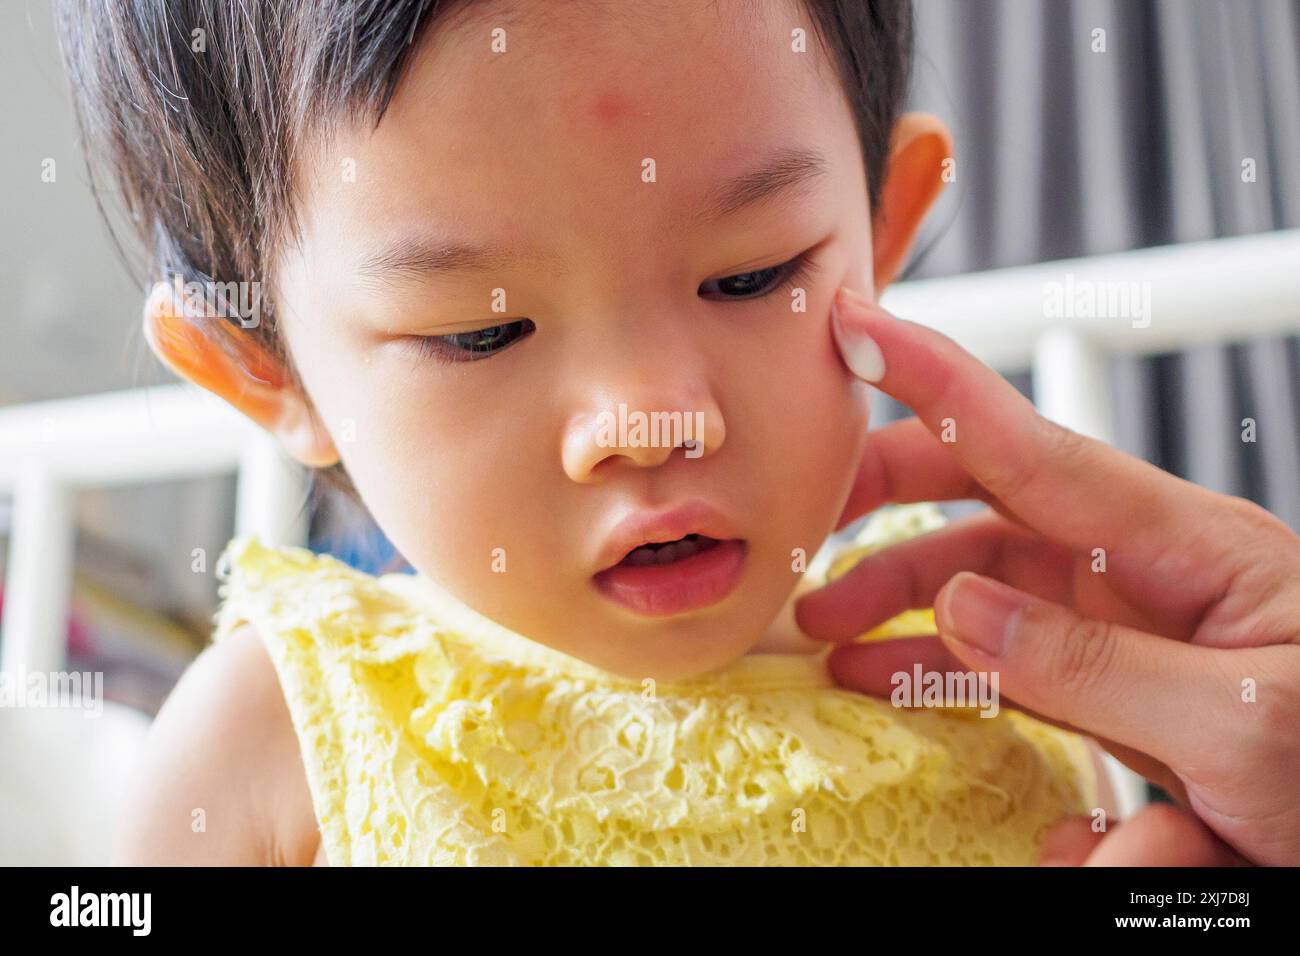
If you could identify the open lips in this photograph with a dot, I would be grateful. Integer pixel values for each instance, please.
(672, 561)
(667, 552)
(658, 579)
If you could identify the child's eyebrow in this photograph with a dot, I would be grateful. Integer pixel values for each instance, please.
(785, 171)
(419, 256)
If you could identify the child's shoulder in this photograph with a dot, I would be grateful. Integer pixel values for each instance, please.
(221, 780)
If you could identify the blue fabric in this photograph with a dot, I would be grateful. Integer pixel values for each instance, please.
(366, 549)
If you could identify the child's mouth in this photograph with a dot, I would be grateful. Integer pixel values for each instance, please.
(658, 579)
(666, 552)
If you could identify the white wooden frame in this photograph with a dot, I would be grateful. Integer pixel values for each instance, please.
(170, 432)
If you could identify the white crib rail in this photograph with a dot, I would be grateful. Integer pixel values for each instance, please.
(50, 450)
(1225, 290)
(1202, 292)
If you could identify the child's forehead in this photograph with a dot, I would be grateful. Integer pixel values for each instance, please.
(615, 72)
(516, 140)
(637, 32)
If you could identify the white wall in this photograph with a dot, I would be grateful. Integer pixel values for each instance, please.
(70, 319)
(69, 306)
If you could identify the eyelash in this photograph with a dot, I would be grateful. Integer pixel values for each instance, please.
(792, 272)
(441, 347)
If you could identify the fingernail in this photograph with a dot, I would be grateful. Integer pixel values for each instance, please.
(858, 349)
(979, 612)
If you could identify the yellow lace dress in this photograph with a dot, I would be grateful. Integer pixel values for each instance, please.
(431, 736)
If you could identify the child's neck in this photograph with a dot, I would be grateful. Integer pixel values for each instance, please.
(783, 635)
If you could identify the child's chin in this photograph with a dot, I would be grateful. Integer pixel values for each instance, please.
(683, 649)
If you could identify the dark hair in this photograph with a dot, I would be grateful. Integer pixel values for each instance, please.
(200, 143)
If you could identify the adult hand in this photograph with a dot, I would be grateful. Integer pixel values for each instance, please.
(1112, 597)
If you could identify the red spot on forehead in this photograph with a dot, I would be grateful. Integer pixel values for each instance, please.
(609, 106)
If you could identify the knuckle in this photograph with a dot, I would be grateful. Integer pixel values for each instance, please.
(1050, 442)
(1085, 655)
(1061, 443)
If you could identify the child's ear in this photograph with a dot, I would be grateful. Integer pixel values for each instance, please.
(215, 354)
(913, 179)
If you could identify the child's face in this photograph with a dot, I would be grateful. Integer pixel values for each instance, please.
(492, 476)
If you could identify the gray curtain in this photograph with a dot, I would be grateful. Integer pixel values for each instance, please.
(1064, 152)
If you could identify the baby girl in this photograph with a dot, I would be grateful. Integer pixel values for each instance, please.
(480, 229)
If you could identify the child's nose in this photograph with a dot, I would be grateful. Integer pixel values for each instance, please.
(643, 434)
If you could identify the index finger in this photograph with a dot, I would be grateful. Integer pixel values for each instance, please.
(1066, 486)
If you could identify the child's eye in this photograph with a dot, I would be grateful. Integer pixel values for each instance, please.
(471, 346)
(762, 282)
(486, 342)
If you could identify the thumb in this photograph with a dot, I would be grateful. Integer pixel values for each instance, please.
(1146, 692)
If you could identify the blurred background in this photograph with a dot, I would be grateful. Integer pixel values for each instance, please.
(1069, 143)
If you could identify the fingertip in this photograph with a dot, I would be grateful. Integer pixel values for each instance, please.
(860, 353)
(857, 299)
(814, 617)
(853, 666)
(847, 292)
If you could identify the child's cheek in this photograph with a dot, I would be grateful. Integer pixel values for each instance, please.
(832, 429)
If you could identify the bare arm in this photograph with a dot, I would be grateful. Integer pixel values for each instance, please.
(221, 781)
